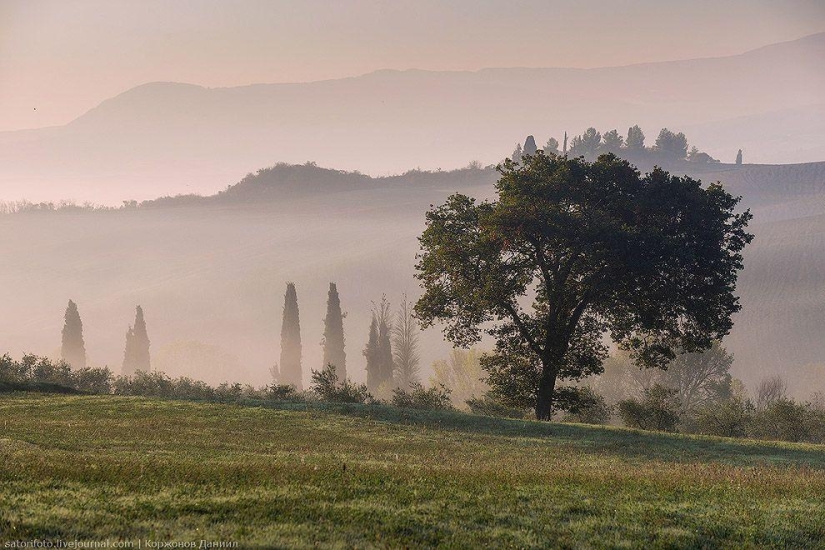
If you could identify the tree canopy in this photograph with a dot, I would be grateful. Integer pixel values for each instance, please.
(572, 251)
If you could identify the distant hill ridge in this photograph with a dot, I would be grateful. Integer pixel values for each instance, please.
(181, 138)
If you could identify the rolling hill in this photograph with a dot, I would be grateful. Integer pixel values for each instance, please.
(210, 272)
(168, 137)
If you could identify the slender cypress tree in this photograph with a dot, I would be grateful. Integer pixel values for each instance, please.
(384, 352)
(128, 354)
(73, 349)
(739, 157)
(371, 353)
(136, 355)
(333, 341)
(290, 365)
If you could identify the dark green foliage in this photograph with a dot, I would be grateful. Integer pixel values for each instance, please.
(586, 407)
(419, 397)
(333, 342)
(290, 364)
(328, 387)
(33, 373)
(136, 354)
(73, 349)
(658, 410)
(650, 260)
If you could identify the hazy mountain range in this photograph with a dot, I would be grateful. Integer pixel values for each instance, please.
(166, 138)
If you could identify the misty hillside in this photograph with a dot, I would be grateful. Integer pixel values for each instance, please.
(174, 138)
(210, 272)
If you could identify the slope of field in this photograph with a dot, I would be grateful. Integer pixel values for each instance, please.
(167, 137)
(98, 468)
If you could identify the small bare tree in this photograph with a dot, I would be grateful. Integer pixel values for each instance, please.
(769, 391)
(405, 346)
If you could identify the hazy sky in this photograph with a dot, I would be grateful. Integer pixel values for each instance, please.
(60, 58)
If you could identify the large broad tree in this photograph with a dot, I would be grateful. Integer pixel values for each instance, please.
(573, 251)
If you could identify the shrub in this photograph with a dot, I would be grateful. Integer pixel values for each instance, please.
(94, 380)
(147, 384)
(186, 388)
(435, 398)
(490, 406)
(283, 392)
(783, 420)
(586, 407)
(728, 418)
(657, 410)
(326, 386)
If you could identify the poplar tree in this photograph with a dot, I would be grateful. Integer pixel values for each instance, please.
(73, 349)
(290, 364)
(405, 346)
(333, 342)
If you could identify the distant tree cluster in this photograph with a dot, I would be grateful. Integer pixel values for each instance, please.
(392, 348)
(669, 147)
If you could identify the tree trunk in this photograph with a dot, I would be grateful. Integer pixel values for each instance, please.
(547, 387)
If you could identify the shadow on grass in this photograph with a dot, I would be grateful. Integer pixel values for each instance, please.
(597, 439)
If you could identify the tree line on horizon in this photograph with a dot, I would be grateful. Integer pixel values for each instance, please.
(669, 146)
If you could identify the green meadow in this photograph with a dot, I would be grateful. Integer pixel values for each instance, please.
(102, 468)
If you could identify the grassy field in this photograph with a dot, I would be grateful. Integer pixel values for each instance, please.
(133, 469)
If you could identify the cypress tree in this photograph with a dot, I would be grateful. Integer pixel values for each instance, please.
(385, 365)
(291, 340)
(333, 341)
(136, 354)
(739, 157)
(73, 349)
(371, 353)
(530, 147)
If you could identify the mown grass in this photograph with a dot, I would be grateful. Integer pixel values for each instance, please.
(95, 468)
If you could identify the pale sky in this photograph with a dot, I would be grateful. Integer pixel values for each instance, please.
(59, 58)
